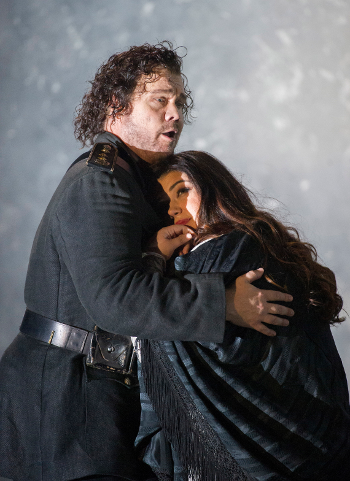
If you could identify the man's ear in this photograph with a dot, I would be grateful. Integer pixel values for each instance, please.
(110, 119)
(112, 114)
(112, 109)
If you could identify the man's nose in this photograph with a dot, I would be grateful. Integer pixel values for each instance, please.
(172, 112)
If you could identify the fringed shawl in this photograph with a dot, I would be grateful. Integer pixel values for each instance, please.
(252, 407)
(198, 446)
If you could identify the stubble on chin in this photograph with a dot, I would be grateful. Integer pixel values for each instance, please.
(153, 157)
(140, 141)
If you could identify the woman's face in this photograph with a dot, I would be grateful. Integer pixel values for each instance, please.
(184, 198)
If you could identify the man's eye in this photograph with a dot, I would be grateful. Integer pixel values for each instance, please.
(160, 100)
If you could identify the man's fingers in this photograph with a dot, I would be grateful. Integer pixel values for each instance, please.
(252, 276)
(281, 310)
(253, 307)
(265, 330)
(273, 320)
(277, 296)
(276, 321)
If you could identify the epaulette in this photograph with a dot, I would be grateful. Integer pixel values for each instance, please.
(104, 155)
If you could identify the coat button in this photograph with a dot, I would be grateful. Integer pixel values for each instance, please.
(110, 348)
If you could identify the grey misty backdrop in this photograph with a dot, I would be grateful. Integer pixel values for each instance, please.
(271, 83)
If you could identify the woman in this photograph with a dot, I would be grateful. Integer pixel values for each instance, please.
(252, 407)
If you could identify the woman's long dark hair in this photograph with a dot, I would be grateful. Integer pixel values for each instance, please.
(226, 204)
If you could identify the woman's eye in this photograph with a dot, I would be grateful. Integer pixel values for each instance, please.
(183, 190)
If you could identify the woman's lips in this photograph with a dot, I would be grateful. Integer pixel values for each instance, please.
(182, 221)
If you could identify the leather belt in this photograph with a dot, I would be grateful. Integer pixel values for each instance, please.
(108, 355)
(55, 333)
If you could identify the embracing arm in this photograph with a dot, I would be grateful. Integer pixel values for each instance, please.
(249, 306)
(98, 229)
(246, 305)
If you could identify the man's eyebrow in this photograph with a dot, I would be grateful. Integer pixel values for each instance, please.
(160, 91)
(177, 182)
(166, 91)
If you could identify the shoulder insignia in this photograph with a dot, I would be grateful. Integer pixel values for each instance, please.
(104, 155)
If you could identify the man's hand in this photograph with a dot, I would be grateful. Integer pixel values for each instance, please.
(248, 306)
(168, 239)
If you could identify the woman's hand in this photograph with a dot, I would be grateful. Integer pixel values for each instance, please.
(248, 306)
(170, 238)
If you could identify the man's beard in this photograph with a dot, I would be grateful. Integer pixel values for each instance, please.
(137, 136)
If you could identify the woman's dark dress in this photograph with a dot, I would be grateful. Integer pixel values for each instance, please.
(278, 406)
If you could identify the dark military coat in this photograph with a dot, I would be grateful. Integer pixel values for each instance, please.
(58, 421)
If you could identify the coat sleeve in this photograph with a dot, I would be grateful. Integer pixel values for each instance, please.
(98, 227)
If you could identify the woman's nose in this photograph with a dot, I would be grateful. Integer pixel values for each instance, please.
(174, 209)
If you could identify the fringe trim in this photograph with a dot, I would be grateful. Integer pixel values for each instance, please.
(198, 446)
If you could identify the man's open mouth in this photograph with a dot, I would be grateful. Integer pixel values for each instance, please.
(171, 134)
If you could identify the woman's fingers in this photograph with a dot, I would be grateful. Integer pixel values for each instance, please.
(171, 238)
(174, 230)
(178, 241)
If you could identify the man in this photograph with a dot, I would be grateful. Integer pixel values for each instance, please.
(69, 395)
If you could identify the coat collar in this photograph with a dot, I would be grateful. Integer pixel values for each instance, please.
(143, 174)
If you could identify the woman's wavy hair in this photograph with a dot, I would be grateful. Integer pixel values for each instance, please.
(115, 82)
(226, 204)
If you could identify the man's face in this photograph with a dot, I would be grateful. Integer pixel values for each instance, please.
(154, 123)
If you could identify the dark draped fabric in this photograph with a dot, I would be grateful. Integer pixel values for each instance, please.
(252, 407)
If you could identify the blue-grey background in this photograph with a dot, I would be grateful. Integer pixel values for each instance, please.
(271, 82)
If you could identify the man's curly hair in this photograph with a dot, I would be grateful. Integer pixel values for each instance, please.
(115, 82)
